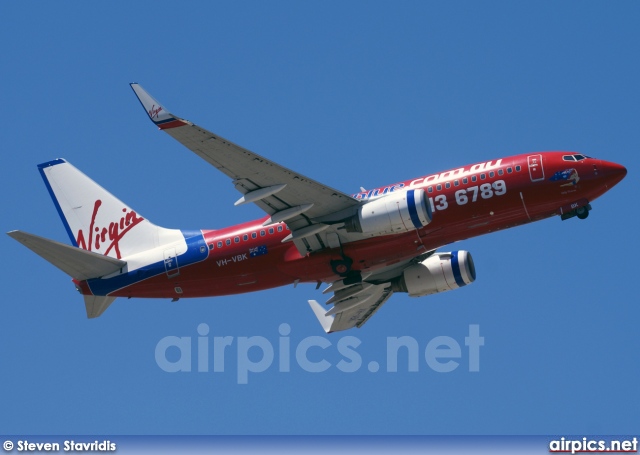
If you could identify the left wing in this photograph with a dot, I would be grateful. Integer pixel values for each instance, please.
(313, 212)
(280, 192)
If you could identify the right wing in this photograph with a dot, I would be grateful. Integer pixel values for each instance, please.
(355, 303)
(283, 194)
(353, 306)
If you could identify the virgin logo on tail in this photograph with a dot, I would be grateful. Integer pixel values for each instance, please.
(116, 230)
(154, 111)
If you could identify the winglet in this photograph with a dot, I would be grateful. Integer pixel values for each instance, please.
(325, 321)
(158, 114)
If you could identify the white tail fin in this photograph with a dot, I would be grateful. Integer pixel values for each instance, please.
(95, 219)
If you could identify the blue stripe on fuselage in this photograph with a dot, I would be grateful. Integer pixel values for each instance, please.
(196, 252)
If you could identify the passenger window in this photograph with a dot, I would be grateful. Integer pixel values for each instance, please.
(439, 187)
(509, 170)
(228, 242)
(236, 239)
(220, 244)
(465, 180)
(447, 185)
(270, 230)
(254, 235)
(518, 168)
(500, 172)
(491, 174)
(245, 237)
(456, 183)
(430, 190)
(483, 176)
(262, 233)
(474, 178)
(211, 246)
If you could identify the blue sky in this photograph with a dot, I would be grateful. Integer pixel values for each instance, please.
(352, 94)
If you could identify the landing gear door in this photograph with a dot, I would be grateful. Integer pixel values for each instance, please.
(536, 169)
(171, 262)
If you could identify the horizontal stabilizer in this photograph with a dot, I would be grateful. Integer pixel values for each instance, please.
(96, 304)
(76, 262)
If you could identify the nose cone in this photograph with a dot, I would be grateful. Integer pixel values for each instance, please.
(613, 172)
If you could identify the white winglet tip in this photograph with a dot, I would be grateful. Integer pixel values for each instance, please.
(325, 321)
(158, 114)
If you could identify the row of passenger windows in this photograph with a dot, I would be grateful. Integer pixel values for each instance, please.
(474, 178)
(245, 237)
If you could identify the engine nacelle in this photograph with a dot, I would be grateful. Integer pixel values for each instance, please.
(392, 214)
(438, 273)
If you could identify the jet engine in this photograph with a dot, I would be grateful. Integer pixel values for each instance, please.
(392, 214)
(438, 273)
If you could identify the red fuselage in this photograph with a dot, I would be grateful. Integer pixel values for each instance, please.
(466, 202)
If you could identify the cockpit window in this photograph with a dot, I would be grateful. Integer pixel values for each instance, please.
(579, 157)
(568, 158)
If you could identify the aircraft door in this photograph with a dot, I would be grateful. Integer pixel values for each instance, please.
(536, 169)
(171, 262)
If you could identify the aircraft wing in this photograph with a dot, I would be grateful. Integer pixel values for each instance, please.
(280, 192)
(353, 306)
(355, 303)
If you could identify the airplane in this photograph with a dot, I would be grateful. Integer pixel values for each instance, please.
(366, 245)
